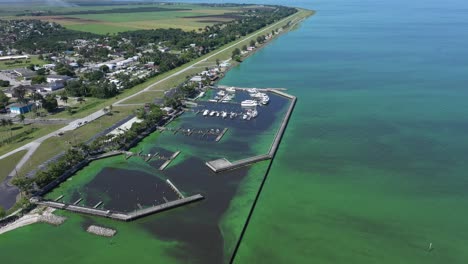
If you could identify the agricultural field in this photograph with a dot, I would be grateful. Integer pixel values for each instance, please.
(114, 19)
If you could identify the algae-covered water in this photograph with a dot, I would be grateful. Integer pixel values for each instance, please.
(202, 232)
(372, 168)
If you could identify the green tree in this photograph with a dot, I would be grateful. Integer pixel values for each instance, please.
(38, 79)
(252, 43)
(20, 92)
(236, 52)
(4, 83)
(64, 98)
(22, 117)
(105, 68)
(23, 183)
(49, 102)
(3, 99)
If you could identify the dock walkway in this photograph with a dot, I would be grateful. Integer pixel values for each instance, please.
(118, 215)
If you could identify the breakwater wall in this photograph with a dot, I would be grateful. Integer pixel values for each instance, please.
(224, 165)
(118, 215)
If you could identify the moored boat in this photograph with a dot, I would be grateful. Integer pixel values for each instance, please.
(249, 103)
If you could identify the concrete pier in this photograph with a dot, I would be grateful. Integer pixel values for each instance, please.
(118, 215)
(98, 204)
(59, 198)
(165, 164)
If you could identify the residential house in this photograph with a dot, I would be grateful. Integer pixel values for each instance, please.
(21, 108)
(24, 73)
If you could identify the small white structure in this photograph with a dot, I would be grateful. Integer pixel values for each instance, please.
(57, 78)
(19, 57)
(197, 78)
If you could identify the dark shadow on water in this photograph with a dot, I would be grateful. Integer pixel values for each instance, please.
(196, 225)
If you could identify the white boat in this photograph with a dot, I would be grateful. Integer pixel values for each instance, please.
(232, 115)
(230, 90)
(244, 116)
(257, 95)
(252, 90)
(217, 113)
(206, 112)
(253, 113)
(249, 103)
(213, 100)
(265, 100)
(221, 93)
(224, 114)
(212, 113)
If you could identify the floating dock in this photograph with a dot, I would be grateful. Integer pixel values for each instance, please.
(181, 196)
(78, 201)
(165, 164)
(221, 135)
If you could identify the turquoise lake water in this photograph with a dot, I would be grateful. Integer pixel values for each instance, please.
(373, 165)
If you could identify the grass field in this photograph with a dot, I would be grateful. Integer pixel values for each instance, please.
(40, 131)
(8, 164)
(55, 145)
(147, 97)
(190, 17)
(5, 65)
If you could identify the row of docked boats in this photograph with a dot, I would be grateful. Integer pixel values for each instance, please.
(258, 98)
(251, 113)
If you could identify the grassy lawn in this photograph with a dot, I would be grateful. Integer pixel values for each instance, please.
(4, 65)
(8, 164)
(55, 145)
(39, 131)
(146, 97)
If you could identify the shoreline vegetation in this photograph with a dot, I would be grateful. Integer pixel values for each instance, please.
(291, 21)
